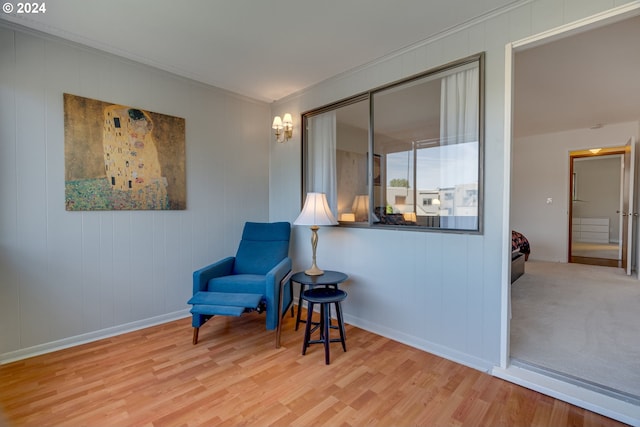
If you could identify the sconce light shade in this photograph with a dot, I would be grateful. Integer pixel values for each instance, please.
(315, 212)
(283, 127)
(287, 121)
(277, 123)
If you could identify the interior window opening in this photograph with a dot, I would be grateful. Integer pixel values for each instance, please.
(406, 155)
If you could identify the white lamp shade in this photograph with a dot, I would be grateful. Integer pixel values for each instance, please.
(277, 123)
(287, 120)
(360, 207)
(316, 211)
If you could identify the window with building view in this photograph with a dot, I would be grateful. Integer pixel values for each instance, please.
(406, 155)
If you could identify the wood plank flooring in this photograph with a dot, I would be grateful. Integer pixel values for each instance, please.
(235, 376)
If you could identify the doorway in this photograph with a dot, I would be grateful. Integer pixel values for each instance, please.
(596, 227)
(548, 234)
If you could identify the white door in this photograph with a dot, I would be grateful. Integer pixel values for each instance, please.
(628, 208)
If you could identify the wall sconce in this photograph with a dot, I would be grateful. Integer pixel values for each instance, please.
(283, 127)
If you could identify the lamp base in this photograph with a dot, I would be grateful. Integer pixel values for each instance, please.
(314, 271)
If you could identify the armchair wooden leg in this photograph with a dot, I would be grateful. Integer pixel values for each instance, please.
(195, 335)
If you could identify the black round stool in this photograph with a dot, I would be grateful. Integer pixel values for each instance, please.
(325, 297)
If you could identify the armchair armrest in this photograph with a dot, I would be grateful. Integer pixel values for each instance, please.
(273, 278)
(221, 268)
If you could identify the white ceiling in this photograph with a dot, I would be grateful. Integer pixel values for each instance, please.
(580, 81)
(264, 49)
(268, 49)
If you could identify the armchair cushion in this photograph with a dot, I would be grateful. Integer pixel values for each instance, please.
(262, 247)
(224, 303)
(217, 269)
(260, 265)
(239, 283)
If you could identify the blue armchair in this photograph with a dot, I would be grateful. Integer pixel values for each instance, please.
(249, 281)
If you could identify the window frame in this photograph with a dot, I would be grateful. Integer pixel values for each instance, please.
(369, 96)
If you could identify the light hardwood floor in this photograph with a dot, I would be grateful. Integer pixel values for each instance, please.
(235, 376)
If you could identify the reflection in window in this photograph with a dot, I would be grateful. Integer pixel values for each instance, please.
(420, 169)
(336, 148)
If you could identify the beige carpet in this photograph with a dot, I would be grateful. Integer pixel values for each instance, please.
(579, 320)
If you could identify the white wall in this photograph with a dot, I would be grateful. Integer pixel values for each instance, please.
(70, 276)
(541, 170)
(437, 291)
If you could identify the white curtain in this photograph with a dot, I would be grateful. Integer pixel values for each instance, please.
(459, 104)
(321, 170)
(459, 147)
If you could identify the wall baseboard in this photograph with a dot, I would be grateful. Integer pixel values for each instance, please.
(90, 337)
(608, 406)
(421, 344)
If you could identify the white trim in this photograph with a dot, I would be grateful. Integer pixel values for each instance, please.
(579, 396)
(505, 294)
(589, 23)
(52, 346)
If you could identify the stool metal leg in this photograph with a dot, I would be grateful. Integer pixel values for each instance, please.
(327, 337)
(321, 327)
(341, 326)
(300, 302)
(307, 328)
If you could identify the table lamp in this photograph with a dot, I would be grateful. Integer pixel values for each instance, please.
(315, 212)
(360, 207)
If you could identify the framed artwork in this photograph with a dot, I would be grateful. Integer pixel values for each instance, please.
(376, 169)
(122, 158)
